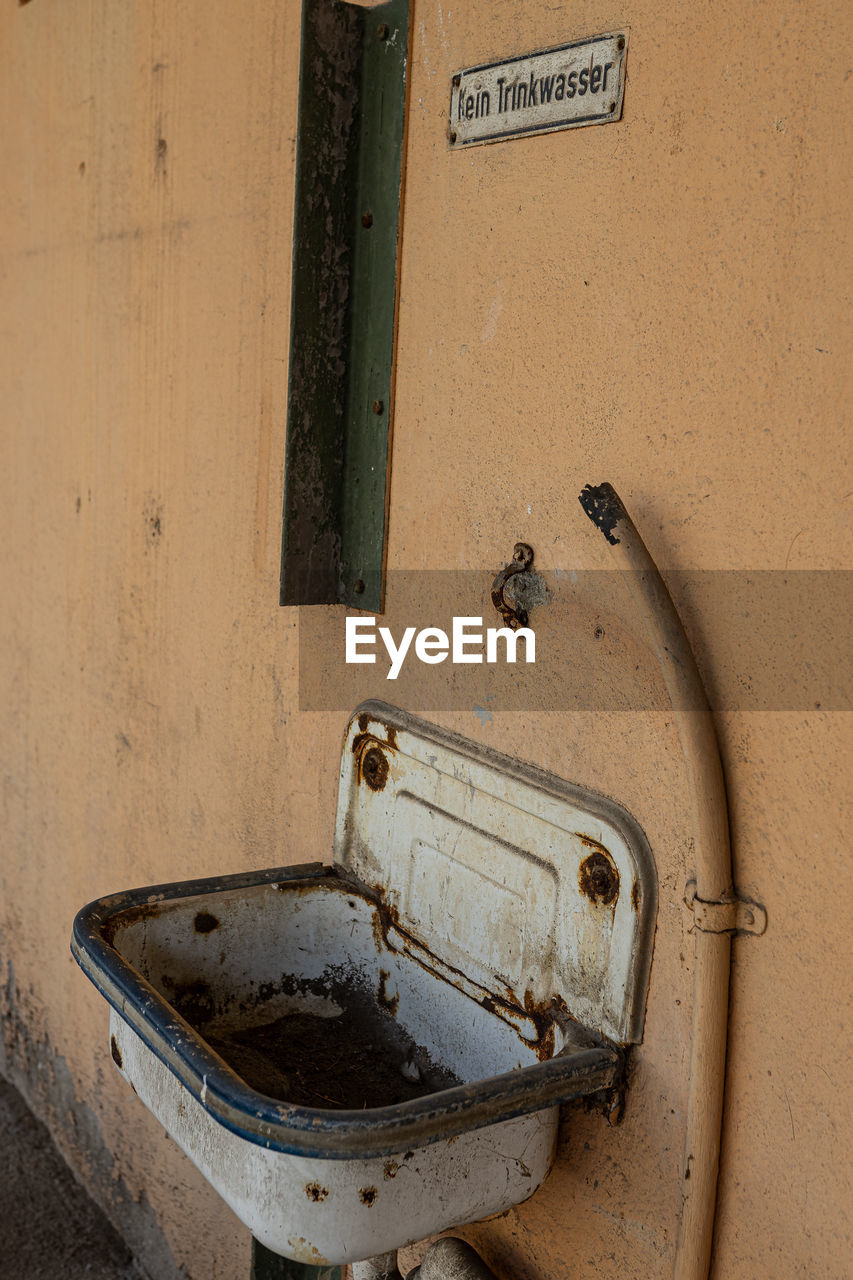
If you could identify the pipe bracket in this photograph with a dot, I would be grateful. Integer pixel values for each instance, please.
(727, 915)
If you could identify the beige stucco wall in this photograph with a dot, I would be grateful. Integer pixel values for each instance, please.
(662, 303)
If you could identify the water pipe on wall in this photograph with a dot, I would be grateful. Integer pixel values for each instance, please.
(713, 876)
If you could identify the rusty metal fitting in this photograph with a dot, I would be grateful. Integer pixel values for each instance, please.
(599, 879)
(522, 559)
(374, 768)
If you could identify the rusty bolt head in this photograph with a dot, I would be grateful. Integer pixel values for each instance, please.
(598, 632)
(620, 43)
(374, 769)
(378, 407)
(457, 80)
(453, 135)
(599, 879)
(367, 220)
(358, 586)
(383, 31)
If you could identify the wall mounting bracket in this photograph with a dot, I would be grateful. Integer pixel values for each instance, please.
(728, 915)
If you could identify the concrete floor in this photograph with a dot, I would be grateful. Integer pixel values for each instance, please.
(49, 1228)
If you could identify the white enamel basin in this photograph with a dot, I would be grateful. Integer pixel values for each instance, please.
(325, 1157)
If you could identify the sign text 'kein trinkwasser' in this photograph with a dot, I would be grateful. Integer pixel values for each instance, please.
(576, 84)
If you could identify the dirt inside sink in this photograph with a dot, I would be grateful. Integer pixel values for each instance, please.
(360, 1058)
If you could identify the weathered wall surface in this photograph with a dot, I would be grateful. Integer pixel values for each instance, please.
(661, 303)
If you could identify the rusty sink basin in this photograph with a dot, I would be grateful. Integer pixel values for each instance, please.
(360, 1055)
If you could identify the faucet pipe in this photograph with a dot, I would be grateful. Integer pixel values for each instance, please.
(713, 875)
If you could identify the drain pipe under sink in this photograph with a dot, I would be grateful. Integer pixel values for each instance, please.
(451, 1259)
(446, 1259)
(382, 1267)
(713, 875)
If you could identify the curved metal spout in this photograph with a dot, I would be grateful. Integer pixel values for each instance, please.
(713, 875)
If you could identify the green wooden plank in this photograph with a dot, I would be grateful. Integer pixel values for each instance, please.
(270, 1266)
(347, 212)
(374, 281)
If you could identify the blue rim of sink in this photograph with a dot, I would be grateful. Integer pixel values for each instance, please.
(298, 1130)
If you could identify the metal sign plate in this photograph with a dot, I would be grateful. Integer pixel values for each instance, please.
(575, 84)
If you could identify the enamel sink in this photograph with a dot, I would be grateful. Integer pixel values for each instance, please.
(361, 1055)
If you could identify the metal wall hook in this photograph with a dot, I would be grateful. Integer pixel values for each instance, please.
(514, 616)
